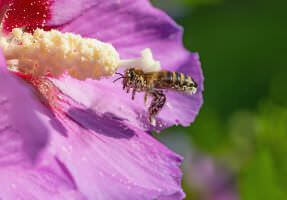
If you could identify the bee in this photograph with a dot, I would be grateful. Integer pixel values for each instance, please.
(153, 84)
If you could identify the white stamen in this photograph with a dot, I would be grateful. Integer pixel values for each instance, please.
(56, 53)
(145, 62)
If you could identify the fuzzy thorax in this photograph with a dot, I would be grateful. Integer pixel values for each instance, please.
(56, 53)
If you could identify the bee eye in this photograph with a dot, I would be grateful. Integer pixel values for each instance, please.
(132, 75)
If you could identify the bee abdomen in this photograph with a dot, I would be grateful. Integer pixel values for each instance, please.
(171, 80)
(178, 79)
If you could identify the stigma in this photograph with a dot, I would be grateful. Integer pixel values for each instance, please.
(55, 53)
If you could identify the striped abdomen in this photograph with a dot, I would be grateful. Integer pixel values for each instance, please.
(172, 80)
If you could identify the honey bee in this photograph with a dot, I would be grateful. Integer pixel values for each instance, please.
(153, 84)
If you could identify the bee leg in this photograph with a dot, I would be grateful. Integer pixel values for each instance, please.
(145, 98)
(134, 93)
(125, 83)
(157, 104)
(135, 87)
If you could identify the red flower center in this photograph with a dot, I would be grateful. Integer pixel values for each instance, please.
(26, 13)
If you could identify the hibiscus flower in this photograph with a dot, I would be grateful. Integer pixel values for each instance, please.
(66, 137)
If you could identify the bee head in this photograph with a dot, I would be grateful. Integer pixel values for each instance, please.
(131, 74)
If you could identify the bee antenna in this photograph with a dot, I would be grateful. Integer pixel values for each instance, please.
(118, 79)
(119, 74)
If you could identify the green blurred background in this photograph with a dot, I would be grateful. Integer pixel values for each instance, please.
(237, 147)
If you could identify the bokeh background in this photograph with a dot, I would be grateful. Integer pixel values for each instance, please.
(237, 147)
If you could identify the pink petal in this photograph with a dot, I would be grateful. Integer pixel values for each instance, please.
(15, 117)
(109, 151)
(76, 153)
